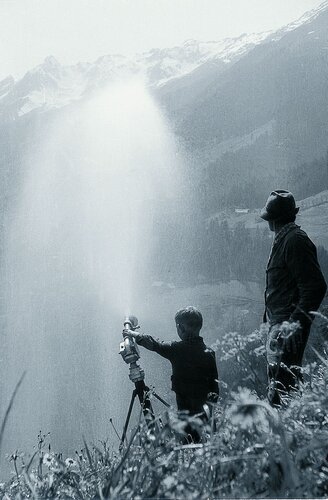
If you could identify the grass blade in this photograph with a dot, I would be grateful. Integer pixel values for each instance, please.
(11, 402)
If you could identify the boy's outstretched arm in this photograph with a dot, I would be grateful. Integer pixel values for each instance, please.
(164, 349)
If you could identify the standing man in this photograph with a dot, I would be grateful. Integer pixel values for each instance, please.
(295, 286)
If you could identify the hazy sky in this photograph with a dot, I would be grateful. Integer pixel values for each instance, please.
(82, 30)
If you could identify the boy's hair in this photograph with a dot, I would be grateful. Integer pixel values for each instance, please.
(190, 318)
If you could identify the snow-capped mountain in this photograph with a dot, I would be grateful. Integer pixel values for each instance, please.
(52, 85)
(164, 65)
(251, 108)
(276, 90)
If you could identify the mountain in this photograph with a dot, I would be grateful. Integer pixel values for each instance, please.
(179, 92)
(261, 115)
(51, 85)
(249, 111)
(171, 71)
(278, 85)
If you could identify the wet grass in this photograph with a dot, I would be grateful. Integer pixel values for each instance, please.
(249, 450)
(256, 452)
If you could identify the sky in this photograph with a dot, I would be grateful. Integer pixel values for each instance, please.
(83, 30)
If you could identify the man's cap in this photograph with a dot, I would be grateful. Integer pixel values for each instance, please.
(279, 205)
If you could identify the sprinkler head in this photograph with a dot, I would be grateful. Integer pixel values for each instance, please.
(131, 323)
(129, 349)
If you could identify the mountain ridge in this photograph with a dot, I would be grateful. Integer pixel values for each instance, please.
(52, 85)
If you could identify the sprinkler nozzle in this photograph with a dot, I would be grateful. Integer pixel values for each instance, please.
(131, 323)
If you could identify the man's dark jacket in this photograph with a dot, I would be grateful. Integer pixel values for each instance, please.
(194, 370)
(294, 281)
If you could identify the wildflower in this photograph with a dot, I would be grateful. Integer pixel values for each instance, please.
(264, 329)
(248, 411)
(177, 425)
(169, 482)
(13, 457)
(57, 465)
(259, 351)
(70, 462)
(47, 459)
(215, 346)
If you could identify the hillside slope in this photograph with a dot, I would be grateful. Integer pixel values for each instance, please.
(313, 218)
(263, 114)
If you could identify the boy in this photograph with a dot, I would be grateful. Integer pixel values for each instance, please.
(194, 371)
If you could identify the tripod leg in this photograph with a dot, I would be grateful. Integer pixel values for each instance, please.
(161, 400)
(134, 393)
(147, 408)
(143, 395)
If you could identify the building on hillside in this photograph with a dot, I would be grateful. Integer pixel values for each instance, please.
(241, 210)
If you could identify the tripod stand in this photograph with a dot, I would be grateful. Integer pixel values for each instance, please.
(142, 391)
(130, 354)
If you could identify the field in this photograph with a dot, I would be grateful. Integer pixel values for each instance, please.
(249, 449)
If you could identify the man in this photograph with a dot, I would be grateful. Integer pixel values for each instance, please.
(295, 286)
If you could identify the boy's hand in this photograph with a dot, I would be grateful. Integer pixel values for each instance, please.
(130, 333)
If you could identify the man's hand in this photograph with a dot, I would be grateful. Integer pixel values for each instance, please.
(283, 337)
(212, 397)
(288, 336)
(275, 344)
(293, 341)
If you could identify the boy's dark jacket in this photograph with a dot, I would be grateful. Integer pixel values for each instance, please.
(194, 371)
(294, 281)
